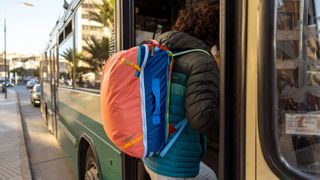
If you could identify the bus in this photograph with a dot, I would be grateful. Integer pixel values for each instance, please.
(270, 82)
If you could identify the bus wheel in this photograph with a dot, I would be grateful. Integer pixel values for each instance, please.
(91, 172)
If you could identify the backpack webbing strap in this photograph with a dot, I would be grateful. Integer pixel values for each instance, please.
(190, 51)
(156, 91)
(181, 125)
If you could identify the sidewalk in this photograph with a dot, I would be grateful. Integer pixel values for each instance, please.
(14, 164)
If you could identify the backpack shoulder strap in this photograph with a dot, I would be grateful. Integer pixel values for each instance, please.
(181, 125)
(190, 51)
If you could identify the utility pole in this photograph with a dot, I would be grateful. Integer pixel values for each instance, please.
(5, 59)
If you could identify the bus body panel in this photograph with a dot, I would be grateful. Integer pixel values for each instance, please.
(251, 83)
(263, 171)
(47, 102)
(256, 166)
(78, 119)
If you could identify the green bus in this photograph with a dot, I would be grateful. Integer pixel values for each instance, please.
(269, 108)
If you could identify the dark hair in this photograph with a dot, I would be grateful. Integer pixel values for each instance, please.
(201, 20)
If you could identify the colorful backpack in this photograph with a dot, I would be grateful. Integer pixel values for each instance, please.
(134, 98)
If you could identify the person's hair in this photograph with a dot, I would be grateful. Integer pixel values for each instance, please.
(201, 20)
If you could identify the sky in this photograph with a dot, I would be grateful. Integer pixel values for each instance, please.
(28, 27)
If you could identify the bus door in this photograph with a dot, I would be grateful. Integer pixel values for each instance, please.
(43, 74)
(53, 84)
(54, 91)
(289, 115)
(269, 103)
(270, 90)
(141, 20)
(48, 92)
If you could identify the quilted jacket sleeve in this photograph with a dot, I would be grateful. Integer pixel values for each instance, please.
(202, 95)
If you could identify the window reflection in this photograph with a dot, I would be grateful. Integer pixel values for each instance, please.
(151, 21)
(298, 80)
(44, 68)
(94, 27)
(66, 62)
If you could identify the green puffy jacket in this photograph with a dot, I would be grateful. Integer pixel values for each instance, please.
(194, 96)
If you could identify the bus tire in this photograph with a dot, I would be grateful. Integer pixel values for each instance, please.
(91, 168)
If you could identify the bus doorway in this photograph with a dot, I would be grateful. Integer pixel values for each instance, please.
(54, 91)
(51, 105)
(145, 20)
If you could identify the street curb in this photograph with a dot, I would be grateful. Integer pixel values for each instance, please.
(25, 165)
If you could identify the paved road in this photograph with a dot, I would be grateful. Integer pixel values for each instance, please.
(46, 160)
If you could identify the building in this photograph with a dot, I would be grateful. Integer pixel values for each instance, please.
(15, 60)
(86, 26)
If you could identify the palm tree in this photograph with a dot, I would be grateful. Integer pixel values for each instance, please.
(19, 71)
(98, 52)
(68, 55)
(103, 14)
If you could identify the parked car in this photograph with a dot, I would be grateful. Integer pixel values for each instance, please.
(2, 88)
(35, 94)
(31, 83)
(7, 83)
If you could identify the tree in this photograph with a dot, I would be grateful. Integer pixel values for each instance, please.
(98, 51)
(35, 72)
(68, 55)
(98, 48)
(103, 14)
(19, 71)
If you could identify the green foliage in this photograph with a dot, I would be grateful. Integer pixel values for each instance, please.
(19, 71)
(82, 70)
(103, 13)
(26, 72)
(98, 51)
(36, 72)
(68, 55)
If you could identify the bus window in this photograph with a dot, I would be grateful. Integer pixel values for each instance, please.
(44, 68)
(152, 18)
(66, 62)
(298, 84)
(94, 22)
